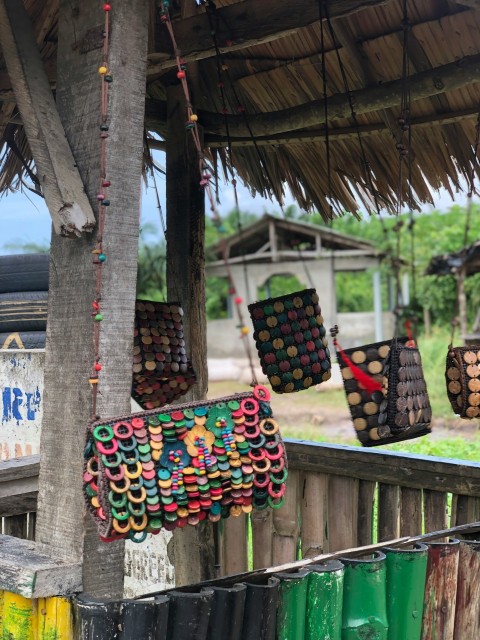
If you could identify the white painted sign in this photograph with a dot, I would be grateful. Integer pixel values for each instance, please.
(21, 393)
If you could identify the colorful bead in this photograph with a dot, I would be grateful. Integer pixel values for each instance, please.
(98, 317)
(107, 7)
(102, 257)
(108, 78)
(102, 70)
(181, 75)
(98, 367)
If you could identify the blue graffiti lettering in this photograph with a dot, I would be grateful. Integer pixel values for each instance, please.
(16, 402)
(7, 404)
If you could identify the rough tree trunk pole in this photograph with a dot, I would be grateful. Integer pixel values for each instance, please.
(62, 520)
(193, 546)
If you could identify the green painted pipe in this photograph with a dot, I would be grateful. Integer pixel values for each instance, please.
(406, 573)
(324, 601)
(292, 603)
(364, 598)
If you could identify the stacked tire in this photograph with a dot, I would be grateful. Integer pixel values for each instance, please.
(23, 301)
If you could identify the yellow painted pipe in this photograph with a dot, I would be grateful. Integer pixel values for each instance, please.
(54, 619)
(18, 617)
(1, 615)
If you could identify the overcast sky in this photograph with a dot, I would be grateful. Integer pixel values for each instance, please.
(24, 217)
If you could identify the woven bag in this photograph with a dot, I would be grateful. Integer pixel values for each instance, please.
(462, 376)
(183, 464)
(290, 339)
(401, 409)
(161, 370)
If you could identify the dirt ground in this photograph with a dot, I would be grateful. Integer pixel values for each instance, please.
(323, 415)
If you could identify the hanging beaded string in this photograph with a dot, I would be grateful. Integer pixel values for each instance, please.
(206, 176)
(99, 256)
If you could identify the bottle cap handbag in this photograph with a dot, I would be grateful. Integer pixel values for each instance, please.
(290, 339)
(399, 408)
(463, 380)
(183, 464)
(161, 369)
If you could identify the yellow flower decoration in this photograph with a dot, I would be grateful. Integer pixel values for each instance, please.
(195, 432)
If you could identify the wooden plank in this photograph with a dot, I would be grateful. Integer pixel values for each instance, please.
(411, 516)
(19, 485)
(342, 513)
(388, 511)
(435, 510)
(366, 498)
(262, 535)
(243, 25)
(286, 525)
(59, 177)
(235, 545)
(32, 573)
(467, 510)
(18, 468)
(467, 609)
(456, 476)
(313, 509)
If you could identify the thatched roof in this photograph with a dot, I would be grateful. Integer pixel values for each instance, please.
(273, 52)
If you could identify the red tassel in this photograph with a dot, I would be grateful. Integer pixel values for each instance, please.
(363, 378)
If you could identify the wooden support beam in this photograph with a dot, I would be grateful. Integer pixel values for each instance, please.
(425, 84)
(245, 24)
(63, 523)
(194, 556)
(56, 169)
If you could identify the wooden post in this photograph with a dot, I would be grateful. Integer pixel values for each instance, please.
(286, 523)
(56, 169)
(440, 590)
(312, 513)
(62, 522)
(366, 499)
(342, 513)
(467, 610)
(193, 546)
(435, 510)
(262, 535)
(235, 545)
(410, 512)
(388, 511)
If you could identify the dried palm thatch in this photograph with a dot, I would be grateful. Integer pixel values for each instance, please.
(266, 59)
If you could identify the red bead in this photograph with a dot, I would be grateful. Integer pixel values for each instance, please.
(238, 300)
(106, 183)
(98, 367)
(180, 75)
(231, 291)
(95, 305)
(107, 7)
(100, 196)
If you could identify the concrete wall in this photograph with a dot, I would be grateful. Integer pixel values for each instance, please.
(147, 566)
(21, 394)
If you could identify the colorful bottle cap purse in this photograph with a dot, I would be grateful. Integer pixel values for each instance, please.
(463, 380)
(183, 464)
(290, 339)
(398, 408)
(161, 370)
